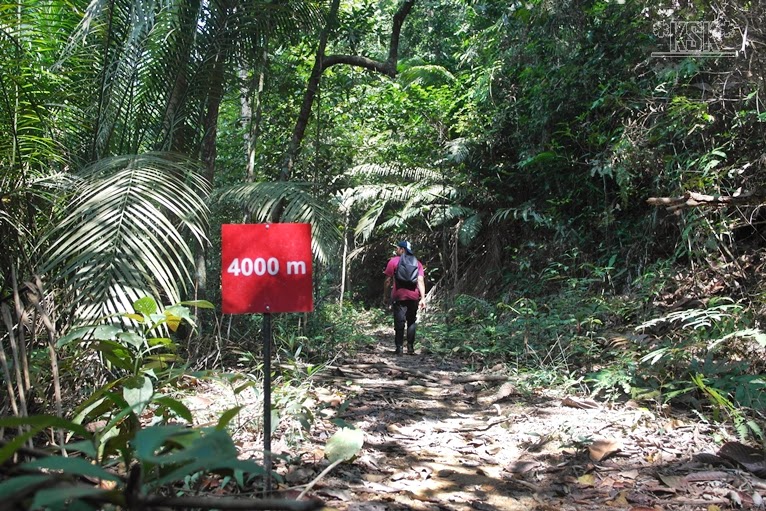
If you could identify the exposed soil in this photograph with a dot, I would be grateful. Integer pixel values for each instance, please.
(439, 436)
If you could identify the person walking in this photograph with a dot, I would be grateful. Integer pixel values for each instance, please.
(406, 296)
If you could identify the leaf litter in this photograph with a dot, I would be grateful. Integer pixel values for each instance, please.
(434, 437)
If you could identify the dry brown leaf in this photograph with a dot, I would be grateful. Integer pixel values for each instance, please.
(753, 460)
(671, 481)
(587, 480)
(585, 404)
(299, 475)
(400, 474)
(657, 487)
(396, 430)
(505, 390)
(331, 399)
(522, 467)
(629, 474)
(602, 448)
(619, 501)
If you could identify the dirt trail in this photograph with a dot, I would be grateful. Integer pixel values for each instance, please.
(439, 436)
(435, 440)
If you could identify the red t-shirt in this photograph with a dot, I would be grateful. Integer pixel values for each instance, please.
(402, 294)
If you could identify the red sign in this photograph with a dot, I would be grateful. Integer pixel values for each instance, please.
(266, 268)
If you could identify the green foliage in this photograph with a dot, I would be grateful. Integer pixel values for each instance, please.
(706, 358)
(135, 349)
(560, 334)
(157, 455)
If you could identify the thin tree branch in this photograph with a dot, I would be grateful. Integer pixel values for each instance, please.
(694, 199)
(323, 62)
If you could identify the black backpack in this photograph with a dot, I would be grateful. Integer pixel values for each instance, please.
(406, 273)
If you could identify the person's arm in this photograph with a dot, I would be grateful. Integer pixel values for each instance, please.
(422, 289)
(387, 289)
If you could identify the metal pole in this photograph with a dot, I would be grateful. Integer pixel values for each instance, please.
(267, 400)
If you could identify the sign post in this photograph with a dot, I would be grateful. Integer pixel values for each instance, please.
(266, 268)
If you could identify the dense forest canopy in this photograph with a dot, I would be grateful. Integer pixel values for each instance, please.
(570, 173)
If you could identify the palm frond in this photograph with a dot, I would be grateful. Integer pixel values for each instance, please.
(526, 213)
(366, 225)
(449, 212)
(124, 234)
(425, 76)
(458, 150)
(299, 204)
(469, 229)
(411, 174)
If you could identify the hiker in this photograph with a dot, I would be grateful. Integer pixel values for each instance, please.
(408, 288)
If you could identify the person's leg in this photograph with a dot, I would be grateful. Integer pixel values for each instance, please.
(412, 318)
(400, 318)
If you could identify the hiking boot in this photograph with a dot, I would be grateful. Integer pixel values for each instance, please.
(410, 349)
(398, 350)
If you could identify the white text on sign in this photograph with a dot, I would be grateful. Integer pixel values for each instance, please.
(260, 267)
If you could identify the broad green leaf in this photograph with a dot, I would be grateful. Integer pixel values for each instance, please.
(7, 451)
(180, 311)
(161, 341)
(148, 440)
(201, 304)
(75, 335)
(214, 448)
(84, 446)
(176, 407)
(37, 423)
(172, 321)
(227, 416)
(210, 465)
(132, 338)
(137, 393)
(41, 422)
(344, 444)
(106, 332)
(47, 498)
(117, 354)
(17, 484)
(146, 306)
(76, 466)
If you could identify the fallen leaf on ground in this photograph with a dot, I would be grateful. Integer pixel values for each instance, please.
(753, 460)
(586, 404)
(604, 447)
(672, 481)
(522, 467)
(619, 501)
